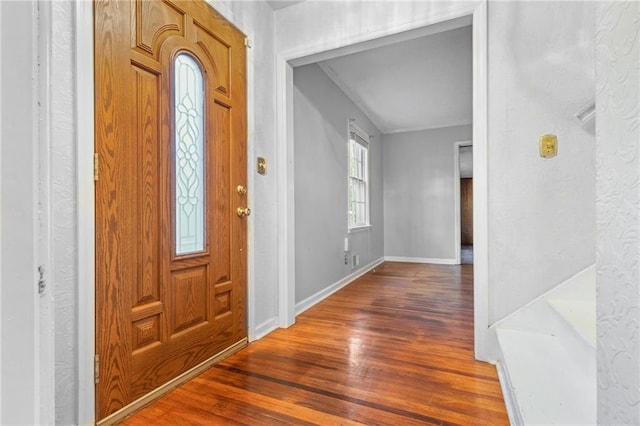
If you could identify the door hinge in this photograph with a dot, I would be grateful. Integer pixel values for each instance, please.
(96, 167)
(96, 369)
(247, 42)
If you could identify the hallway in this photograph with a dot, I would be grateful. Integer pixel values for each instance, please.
(394, 347)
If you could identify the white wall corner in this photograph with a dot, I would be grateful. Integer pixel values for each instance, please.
(286, 194)
(480, 182)
(265, 328)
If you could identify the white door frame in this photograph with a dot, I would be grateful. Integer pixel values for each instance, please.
(456, 197)
(285, 144)
(85, 142)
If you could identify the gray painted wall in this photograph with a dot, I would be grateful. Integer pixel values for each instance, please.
(419, 192)
(618, 211)
(321, 114)
(466, 161)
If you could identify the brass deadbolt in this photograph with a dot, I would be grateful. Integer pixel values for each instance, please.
(241, 189)
(244, 211)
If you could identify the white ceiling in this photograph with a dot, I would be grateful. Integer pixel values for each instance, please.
(417, 84)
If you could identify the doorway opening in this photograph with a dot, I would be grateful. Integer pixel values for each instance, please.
(463, 178)
(322, 50)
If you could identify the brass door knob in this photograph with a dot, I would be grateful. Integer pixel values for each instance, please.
(241, 189)
(243, 212)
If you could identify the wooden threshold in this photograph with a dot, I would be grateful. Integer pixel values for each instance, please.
(141, 402)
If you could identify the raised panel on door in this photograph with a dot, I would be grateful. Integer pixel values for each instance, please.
(171, 138)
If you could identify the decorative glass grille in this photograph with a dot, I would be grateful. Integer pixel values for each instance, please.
(189, 155)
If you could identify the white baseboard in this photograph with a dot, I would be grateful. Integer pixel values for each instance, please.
(265, 328)
(328, 291)
(513, 409)
(420, 260)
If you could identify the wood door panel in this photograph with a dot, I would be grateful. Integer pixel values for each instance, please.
(223, 299)
(220, 225)
(113, 333)
(219, 53)
(189, 298)
(155, 21)
(159, 314)
(146, 94)
(145, 332)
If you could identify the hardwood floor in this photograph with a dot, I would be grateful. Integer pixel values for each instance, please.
(394, 347)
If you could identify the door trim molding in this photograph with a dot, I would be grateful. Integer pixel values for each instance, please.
(85, 143)
(457, 237)
(285, 143)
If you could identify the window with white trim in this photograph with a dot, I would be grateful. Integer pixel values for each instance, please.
(358, 177)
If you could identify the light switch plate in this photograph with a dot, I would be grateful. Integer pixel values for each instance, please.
(548, 146)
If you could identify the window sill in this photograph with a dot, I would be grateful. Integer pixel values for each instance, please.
(359, 229)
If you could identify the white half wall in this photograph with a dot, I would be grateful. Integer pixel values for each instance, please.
(618, 211)
(419, 193)
(541, 211)
(321, 115)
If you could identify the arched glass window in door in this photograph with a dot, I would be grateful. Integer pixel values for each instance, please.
(189, 155)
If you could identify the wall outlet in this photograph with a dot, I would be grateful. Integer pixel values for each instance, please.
(346, 259)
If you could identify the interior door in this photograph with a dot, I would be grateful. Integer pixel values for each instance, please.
(170, 128)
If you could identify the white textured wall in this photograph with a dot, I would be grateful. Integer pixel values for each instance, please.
(338, 23)
(258, 18)
(18, 216)
(321, 114)
(541, 212)
(618, 211)
(419, 193)
(63, 199)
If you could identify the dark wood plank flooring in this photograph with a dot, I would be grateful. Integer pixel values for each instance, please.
(394, 347)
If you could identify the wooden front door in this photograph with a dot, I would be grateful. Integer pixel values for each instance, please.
(170, 126)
